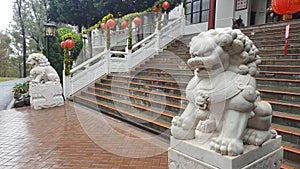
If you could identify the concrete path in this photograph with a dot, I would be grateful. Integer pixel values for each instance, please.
(73, 137)
(6, 91)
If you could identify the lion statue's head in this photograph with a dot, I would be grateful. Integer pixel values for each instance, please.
(37, 59)
(223, 49)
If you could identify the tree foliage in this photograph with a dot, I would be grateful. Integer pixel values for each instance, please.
(88, 12)
(27, 30)
(8, 65)
(75, 12)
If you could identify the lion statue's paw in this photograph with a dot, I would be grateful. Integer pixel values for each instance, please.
(207, 126)
(181, 129)
(258, 137)
(226, 146)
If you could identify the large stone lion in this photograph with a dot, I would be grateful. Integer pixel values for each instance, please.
(222, 95)
(42, 71)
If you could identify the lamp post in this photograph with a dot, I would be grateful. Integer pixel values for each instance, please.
(49, 32)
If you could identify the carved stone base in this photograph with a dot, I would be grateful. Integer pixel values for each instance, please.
(45, 95)
(191, 154)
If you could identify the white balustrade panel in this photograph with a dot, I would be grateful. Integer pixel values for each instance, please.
(119, 65)
(94, 72)
(86, 73)
(98, 40)
(170, 32)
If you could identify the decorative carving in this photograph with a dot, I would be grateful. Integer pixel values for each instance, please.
(44, 87)
(222, 96)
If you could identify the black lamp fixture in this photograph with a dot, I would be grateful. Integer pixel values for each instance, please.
(49, 32)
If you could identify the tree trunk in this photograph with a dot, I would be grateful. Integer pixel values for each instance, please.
(19, 4)
(90, 48)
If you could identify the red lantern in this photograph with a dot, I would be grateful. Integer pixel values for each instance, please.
(285, 7)
(69, 43)
(137, 21)
(124, 24)
(103, 26)
(111, 23)
(165, 5)
(155, 9)
(63, 44)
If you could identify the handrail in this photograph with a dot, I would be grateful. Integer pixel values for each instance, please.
(118, 52)
(87, 62)
(144, 40)
(167, 26)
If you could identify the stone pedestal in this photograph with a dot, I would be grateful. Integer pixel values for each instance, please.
(45, 95)
(192, 154)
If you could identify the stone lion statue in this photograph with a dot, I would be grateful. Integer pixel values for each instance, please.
(42, 71)
(222, 95)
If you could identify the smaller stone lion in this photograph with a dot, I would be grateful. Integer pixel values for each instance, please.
(42, 71)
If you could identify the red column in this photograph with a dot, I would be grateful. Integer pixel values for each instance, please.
(212, 14)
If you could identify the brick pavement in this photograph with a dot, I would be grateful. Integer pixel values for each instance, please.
(72, 137)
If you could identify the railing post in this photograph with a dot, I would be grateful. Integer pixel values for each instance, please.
(182, 15)
(158, 40)
(108, 61)
(66, 85)
(129, 59)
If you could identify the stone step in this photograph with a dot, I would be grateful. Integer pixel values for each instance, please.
(270, 26)
(179, 48)
(145, 104)
(282, 106)
(280, 56)
(289, 134)
(280, 75)
(270, 80)
(286, 166)
(271, 32)
(280, 68)
(279, 89)
(273, 37)
(172, 83)
(164, 70)
(121, 103)
(280, 95)
(292, 153)
(178, 77)
(286, 119)
(159, 65)
(170, 68)
(171, 52)
(155, 95)
(125, 115)
(279, 50)
(145, 86)
(280, 62)
(274, 41)
(175, 60)
(291, 44)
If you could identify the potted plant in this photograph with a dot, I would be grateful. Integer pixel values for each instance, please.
(19, 89)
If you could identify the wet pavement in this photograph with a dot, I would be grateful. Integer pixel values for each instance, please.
(74, 137)
(6, 91)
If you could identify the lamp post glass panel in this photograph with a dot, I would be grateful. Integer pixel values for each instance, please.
(49, 32)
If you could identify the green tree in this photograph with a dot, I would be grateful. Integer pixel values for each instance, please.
(9, 65)
(27, 27)
(56, 52)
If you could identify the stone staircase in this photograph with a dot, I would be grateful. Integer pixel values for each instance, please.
(150, 95)
(279, 82)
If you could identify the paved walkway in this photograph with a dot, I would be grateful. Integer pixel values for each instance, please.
(6, 91)
(73, 137)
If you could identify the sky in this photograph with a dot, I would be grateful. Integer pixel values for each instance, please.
(5, 13)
